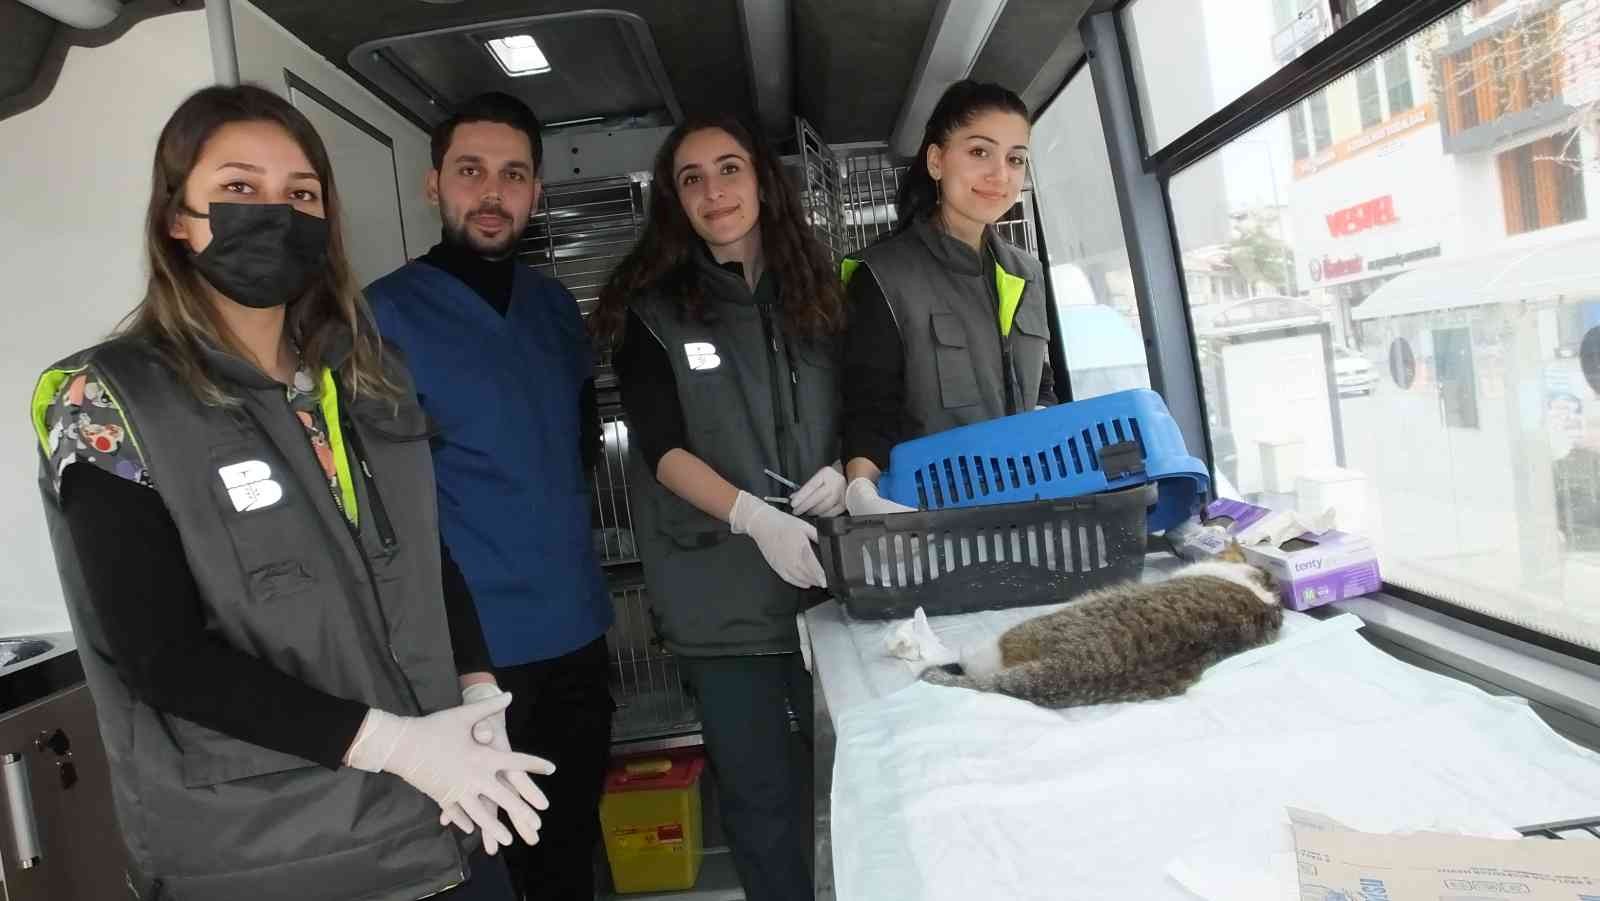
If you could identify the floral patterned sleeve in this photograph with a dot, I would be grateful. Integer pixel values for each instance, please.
(84, 424)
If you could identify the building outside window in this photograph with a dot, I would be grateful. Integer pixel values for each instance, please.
(1537, 189)
(1371, 95)
(1428, 362)
(1321, 125)
(1397, 81)
(1300, 140)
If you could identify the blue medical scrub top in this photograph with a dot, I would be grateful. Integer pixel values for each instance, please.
(514, 500)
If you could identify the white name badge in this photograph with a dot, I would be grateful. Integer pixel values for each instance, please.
(702, 355)
(250, 485)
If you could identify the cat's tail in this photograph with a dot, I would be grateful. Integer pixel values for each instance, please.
(951, 675)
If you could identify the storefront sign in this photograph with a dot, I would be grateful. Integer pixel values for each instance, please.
(1330, 268)
(1373, 213)
(1375, 136)
(1405, 259)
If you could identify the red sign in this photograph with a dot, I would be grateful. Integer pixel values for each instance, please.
(1330, 268)
(1354, 220)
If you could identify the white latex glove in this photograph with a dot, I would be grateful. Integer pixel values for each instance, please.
(786, 541)
(862, 499)
(823, 495)
(436, 755)
(492, 732)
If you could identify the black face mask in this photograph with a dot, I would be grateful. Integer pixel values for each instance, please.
(262, 254)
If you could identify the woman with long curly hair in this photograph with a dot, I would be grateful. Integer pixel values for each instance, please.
(725, 315)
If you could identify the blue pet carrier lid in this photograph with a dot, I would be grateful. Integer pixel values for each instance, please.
(1101, 444)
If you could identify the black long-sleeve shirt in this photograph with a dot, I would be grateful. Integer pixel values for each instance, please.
(146, 598)
(649, 392)
(874, 364)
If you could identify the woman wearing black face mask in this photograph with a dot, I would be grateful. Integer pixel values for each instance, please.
(241, 504)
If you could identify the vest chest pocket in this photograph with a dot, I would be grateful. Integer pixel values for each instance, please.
(1030, 346)
(958, 381)
(264, 511)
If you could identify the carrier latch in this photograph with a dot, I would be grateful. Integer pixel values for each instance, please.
(1121, 459)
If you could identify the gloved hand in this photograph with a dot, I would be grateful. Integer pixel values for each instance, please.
(862, 499)
(436, 755)
(783, 539)
(492, 732)
(823, 495)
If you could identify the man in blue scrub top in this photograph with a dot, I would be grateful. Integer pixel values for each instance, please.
(503, 366)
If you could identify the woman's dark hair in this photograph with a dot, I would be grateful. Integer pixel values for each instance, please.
(962, 102)
(177, 314)
(808, 284)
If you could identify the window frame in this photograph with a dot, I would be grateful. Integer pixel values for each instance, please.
(1142, 175)
(1370, 95)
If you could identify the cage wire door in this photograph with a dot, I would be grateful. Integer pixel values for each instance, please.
(578, 235)
(822, 192)
(582, 229)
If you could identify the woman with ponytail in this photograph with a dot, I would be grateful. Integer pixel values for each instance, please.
(947, 319)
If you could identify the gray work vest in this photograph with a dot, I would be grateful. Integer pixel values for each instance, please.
(948, 304)
(752, 399)
(208, 816)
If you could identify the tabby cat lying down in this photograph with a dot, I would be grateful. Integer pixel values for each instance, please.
(1128, 642)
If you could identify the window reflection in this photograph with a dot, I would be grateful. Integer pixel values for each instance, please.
(1429, 218)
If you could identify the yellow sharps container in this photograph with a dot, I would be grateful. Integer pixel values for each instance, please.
(652, 822)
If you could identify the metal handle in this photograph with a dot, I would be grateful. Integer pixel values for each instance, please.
(19, 803)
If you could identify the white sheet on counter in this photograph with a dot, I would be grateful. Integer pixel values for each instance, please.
(942, 793)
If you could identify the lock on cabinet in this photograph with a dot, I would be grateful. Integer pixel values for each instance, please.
(59, 838)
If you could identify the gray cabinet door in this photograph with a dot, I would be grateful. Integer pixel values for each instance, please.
(369, 194)
(78, 853)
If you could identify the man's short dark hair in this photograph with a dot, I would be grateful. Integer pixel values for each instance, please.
(493, 106)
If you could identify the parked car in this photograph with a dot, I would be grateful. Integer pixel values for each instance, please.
(1352, 372)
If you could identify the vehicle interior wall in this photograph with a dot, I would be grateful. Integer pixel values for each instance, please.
(266, 51)
(70, 252)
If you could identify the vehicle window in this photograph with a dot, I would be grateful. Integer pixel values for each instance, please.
(1193, 57)
(1424, 300)
(1090, 277)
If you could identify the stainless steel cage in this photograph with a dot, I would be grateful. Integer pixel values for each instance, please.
(613, 508)
(582, 229)
(645, 681)
(580, 232)
(822, 193)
